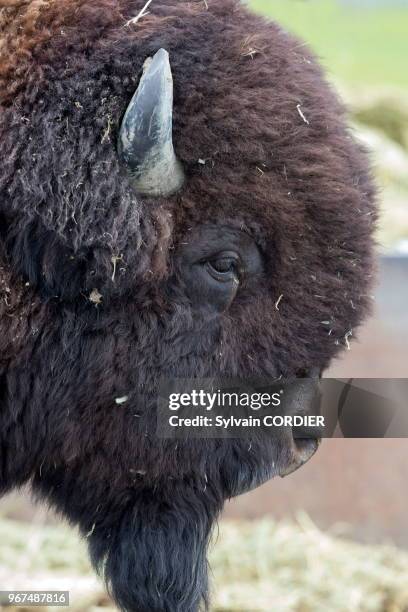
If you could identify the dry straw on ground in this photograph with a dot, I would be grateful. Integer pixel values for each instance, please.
(257, 566)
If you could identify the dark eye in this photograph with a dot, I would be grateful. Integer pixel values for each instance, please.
(224, 267)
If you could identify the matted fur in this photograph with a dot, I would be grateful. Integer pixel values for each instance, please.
(265, 147)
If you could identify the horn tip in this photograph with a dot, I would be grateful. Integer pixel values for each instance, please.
(160, 59)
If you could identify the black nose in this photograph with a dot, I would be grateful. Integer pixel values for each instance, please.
(304, 399)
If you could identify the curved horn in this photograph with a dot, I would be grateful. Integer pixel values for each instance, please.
(145, 141)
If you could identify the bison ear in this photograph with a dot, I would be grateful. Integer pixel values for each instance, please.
(145, 143)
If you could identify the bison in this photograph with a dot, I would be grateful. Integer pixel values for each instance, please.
(180, 197)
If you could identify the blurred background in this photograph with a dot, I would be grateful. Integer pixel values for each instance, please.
(333, 536)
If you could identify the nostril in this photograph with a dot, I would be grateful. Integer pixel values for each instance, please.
(301, 373)
(313, 373)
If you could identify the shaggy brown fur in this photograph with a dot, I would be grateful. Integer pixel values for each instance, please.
(265, 147)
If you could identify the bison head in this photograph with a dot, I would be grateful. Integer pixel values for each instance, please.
(227, 233)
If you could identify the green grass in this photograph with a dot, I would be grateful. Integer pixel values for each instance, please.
(357, 46)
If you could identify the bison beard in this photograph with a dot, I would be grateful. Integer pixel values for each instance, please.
(154, 558)
(257, 262)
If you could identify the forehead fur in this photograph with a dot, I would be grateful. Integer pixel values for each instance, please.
(249, 102)
(261, 135)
